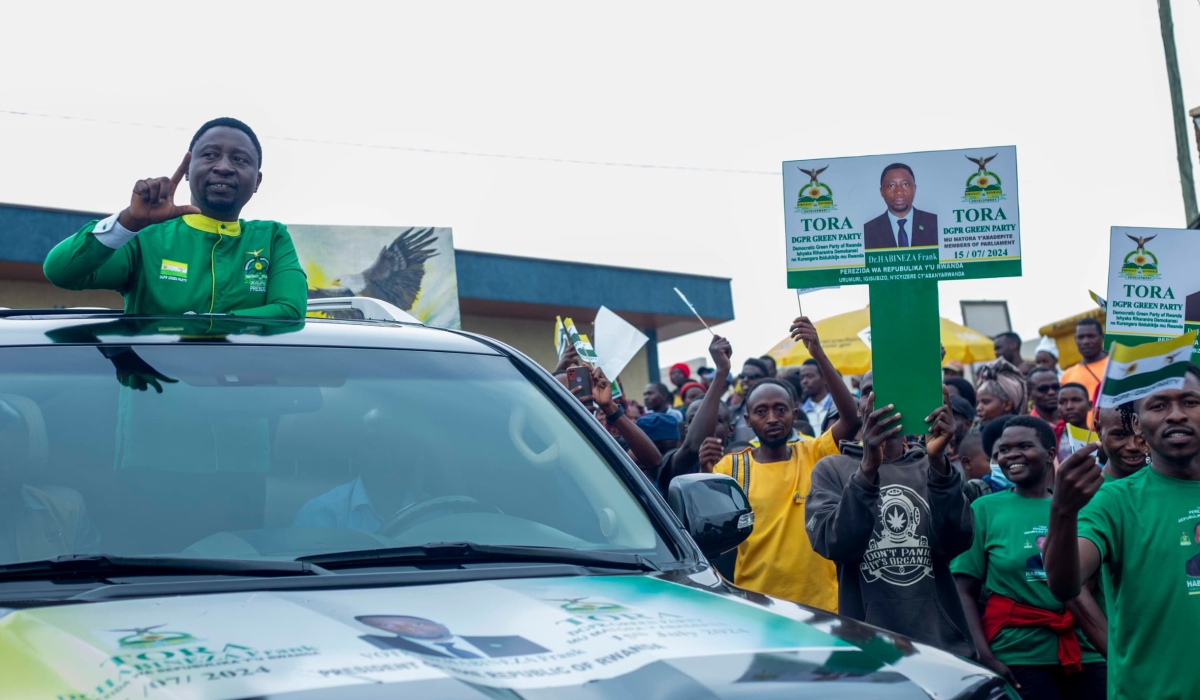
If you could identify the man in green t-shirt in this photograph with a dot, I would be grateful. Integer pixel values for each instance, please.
(1140, 529)
(170, 259)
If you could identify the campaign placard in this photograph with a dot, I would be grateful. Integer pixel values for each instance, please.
(933, 215)
(1153, 288)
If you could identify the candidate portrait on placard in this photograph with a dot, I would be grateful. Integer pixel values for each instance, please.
(902, 225)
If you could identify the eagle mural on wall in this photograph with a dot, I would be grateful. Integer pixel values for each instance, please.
(394, 277)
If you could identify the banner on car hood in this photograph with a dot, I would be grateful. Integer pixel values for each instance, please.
(530, 633)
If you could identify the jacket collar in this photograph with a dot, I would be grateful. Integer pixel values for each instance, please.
(207, 224)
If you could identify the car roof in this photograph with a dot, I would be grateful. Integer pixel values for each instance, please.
(70, 327)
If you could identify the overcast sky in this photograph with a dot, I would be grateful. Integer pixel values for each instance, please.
(1079, 87)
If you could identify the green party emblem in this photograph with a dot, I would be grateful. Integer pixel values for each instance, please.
(1184, 540)
(1140, 264)
(257, 264)
(816, 195)
(583, 606)
(173, 270)
(152, 637)
(256, 270)
(983, 185)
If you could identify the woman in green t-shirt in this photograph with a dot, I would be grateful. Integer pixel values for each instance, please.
(1045, 649)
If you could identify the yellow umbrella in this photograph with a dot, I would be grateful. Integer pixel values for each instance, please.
(850, 355)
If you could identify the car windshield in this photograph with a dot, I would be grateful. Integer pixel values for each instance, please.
(270, 452)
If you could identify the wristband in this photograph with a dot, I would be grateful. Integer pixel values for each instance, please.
(612, 420)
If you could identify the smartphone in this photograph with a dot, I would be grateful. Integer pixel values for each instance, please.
(579, 382)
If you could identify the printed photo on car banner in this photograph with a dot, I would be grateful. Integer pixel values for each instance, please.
(411, 267)
(533, 633)
(1153, 288)
(934, 215)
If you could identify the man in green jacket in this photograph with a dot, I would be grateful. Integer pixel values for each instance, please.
(170, 259)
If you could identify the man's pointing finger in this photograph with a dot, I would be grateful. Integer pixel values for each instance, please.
(181, 171)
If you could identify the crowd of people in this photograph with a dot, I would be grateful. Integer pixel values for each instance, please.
(997, 533)
(1065, 564)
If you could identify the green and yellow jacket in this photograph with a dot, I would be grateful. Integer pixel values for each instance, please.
(192, 263)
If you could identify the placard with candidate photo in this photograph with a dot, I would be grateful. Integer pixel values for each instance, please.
(929, 215)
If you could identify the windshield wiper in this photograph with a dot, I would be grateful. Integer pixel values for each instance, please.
(104, 566)
(472, 553)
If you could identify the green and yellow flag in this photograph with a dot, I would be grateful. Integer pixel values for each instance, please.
(582, 346)
(1136, 371)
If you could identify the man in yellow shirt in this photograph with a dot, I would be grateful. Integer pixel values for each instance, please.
(1089, 338)
(777, 559)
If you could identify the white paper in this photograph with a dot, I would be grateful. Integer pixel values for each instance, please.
(616, 342)
(865, 336)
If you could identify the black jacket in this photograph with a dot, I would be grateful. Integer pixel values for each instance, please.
(922, 230)
(893, 542)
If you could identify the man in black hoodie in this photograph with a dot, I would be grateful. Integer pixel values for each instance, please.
(892, 517)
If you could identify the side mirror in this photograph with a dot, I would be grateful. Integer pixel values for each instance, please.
(713, 509)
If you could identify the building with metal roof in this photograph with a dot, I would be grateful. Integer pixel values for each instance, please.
(512, 299)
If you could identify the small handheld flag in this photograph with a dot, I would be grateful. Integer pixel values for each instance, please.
(561, 340)
(1099, 300)
(689, 305)
(1136, 371)
(581, 343)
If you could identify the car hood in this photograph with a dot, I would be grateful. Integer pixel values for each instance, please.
(578, 637)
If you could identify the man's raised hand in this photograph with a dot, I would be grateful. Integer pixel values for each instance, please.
(803, 331)
(876, 431)
(711, 452)
(721, 351)
(1077, 479)
(941, 427)
(153, 200)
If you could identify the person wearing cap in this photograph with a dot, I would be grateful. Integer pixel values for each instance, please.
(662, 429)
(679, 375)
(691, 392)
(1046, 354)
(705, 375)
(953, 368)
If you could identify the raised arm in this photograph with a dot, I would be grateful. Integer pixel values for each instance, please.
(644, 452)
(846, 426)
(705, 422)
(96, 257)
(840, 515)
(1070, 559)
(953, 520)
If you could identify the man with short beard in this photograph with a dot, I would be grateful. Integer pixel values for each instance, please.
(170, 259)
(776, 559)
(1140, 531)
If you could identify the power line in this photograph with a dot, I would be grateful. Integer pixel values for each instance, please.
(413, 149)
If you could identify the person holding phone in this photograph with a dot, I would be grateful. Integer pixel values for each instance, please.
(599, 393)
